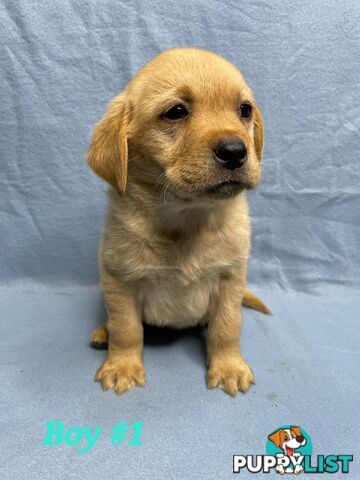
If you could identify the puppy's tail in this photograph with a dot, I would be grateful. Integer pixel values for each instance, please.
(250, 300)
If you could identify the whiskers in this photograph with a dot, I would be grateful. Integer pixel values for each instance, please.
(166, 191)
(146, 173)
(166, 186)
(160, 178)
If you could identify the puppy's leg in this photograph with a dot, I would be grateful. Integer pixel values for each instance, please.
(123, 367)
(227, 368)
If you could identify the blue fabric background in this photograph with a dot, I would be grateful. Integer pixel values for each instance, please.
(60, 64)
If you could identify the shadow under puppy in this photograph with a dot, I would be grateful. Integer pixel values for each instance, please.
(180, 145)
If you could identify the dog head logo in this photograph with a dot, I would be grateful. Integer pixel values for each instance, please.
(289, 444)
(288, 439)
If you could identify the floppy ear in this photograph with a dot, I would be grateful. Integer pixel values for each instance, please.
(258, 133)
(297, 431)
(275, 438)
(108, 152)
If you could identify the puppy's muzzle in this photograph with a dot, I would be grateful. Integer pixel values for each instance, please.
(230, 153)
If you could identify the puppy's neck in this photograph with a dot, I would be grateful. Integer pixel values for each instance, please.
(178, 219)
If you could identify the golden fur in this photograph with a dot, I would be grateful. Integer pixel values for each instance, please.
(173, 253)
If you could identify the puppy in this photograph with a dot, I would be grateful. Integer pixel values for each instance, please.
(180, 145)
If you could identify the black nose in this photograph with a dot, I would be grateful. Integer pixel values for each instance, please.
(300, 438)
(230, 153)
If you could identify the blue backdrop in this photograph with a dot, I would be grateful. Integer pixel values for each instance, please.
(61, 62)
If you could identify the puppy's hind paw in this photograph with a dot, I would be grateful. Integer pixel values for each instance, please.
(99, 338)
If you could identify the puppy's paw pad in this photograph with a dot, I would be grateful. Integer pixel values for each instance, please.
(230, 376)
(121, 375)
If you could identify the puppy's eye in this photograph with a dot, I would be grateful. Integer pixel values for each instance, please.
(245, 110)
(176, 112)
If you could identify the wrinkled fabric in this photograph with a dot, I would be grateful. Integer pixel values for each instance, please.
(60, 64)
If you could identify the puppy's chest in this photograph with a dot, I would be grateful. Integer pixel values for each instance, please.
(181, 264)
(176, 286)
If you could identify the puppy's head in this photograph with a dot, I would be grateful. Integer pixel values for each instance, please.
(187, 122)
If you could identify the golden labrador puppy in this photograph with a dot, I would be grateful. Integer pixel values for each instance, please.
(180, 145)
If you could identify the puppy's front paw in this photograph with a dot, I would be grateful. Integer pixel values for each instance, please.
(230, 374)
(121, 374)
